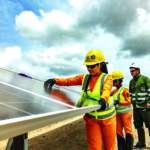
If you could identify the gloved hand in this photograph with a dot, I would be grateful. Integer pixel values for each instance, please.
(49, 83)
(116, 102)
(102, 102)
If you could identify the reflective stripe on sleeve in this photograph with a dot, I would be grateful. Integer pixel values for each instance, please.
(123, 107)
(141, 98)
(142, 94)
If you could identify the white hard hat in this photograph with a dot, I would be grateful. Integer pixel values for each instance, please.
(134, 65)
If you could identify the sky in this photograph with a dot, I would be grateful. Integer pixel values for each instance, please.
(49, 39)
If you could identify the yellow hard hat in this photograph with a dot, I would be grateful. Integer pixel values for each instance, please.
(117, 75)
(93, 57)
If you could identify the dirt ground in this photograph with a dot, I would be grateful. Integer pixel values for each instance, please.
(66, 135)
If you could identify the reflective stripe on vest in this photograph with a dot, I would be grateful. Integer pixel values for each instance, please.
(86, 80)
(91, 98)
(120, 108)
(102, 117)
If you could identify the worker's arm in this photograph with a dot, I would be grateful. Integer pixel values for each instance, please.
(69, 81)
(112, 92)
(127, 98)
(130, 88)
(147, 81)
(107, 88)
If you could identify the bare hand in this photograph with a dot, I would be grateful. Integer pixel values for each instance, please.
(148, 105)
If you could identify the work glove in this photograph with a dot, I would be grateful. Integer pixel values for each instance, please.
(102, 102)
(116, 102)
(49, 83)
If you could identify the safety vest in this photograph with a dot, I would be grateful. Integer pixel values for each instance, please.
(119, 96)
(140, 91)
(89, 98)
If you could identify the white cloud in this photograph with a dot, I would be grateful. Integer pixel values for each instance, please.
(77, 4)
(57, 17)
(53, 28)
(61, 61)
(30, 25)
(9, 55)
(57, 28)
(141, 15)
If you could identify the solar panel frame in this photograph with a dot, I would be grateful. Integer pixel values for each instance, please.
(18, 126)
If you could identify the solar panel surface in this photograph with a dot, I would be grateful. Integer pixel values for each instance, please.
(20, 96)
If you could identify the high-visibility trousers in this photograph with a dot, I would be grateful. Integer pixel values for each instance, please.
(101, 130)
(124, 121)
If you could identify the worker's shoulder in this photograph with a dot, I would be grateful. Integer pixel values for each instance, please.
(131, 81)
(143, 76)
(108, 75)
(125, 89)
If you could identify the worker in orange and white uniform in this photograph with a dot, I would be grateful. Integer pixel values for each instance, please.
(123, 105)
(96, 88)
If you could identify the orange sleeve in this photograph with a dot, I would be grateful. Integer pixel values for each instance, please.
(70, 81)
(127, 98)
(112, 92)
(107, 88)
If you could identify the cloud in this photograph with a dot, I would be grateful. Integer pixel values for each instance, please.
(10, 55)
(30, 26)
(62, 61)
(137, 40)
(54, 28)
(128, 21)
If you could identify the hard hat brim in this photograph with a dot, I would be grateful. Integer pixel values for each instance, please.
(89, 63)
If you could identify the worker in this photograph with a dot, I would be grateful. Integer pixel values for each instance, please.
(96, 87)
(123, 106)
(139, 88)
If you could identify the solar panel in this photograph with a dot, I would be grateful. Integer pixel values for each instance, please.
(20, 96)
(25, 106)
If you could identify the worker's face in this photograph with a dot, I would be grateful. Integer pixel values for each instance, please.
(134, 72)
(94, 70)
(116, 83)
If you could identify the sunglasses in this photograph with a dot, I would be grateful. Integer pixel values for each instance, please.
(91, 66)
(114, 81)
(132, 70)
